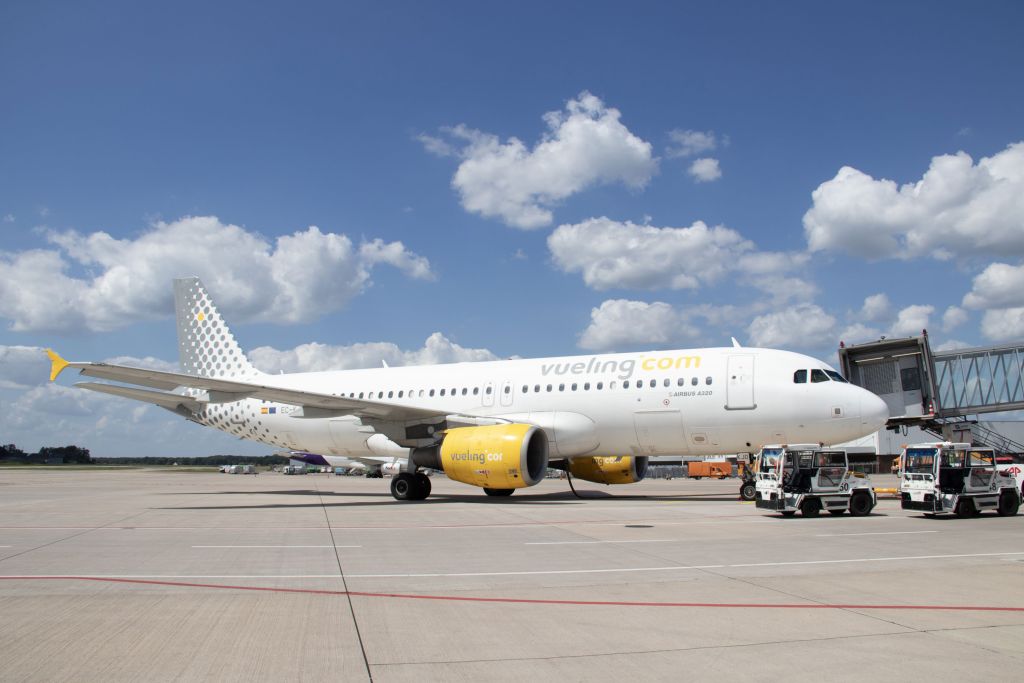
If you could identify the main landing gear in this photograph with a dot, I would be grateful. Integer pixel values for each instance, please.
(410, 486)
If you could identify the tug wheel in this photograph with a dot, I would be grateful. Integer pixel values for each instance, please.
(748, 491)
(860, 505)
(1008, 504)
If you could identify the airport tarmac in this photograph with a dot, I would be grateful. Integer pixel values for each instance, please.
(172, 575)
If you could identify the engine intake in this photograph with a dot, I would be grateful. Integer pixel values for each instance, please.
(507, 456)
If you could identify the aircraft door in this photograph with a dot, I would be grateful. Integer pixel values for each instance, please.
(739, 386)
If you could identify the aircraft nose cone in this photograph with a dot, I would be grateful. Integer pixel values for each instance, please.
(873, 411)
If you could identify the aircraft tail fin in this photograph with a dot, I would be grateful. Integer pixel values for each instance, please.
(206, 346)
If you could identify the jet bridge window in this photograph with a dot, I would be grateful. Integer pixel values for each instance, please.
(800, 377)
(818, 376)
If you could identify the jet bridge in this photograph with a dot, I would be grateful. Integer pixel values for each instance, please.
(940, 391)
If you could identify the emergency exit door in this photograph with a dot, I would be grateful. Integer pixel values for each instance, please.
(739, 385)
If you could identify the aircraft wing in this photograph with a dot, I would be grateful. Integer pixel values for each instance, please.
(224, 390)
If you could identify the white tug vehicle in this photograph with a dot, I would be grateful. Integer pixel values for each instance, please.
(809, 478)
(956, 479)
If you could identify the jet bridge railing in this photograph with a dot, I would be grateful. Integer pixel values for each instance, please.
(983, 380)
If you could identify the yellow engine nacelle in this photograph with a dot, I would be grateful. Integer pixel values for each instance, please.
(624, 469)
(509, 456)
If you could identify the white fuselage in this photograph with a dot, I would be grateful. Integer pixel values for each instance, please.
(695, 401)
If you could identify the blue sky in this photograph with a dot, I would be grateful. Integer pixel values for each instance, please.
(496, 180)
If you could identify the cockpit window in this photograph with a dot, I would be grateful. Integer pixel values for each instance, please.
(800, 377)
(818, 376)
(836, 377)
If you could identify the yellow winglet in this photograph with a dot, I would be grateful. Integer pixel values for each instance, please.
(57, 364)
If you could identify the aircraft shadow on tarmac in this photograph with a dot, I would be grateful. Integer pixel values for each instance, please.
(384, 498)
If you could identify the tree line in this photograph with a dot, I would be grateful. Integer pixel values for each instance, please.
(81, 456)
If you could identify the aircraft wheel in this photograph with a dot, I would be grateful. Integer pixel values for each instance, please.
(1009, 503)
(422, 486)
(498, 492)
(860, 505)
(403, 486)
(810, 508)
(748, 491)
(788, 513)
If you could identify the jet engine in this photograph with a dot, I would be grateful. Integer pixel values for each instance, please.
(624, 469)
(495, 457)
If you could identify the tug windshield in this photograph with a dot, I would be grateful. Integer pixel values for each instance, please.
(920, 460)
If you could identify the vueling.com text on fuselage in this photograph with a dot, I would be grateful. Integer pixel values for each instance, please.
(624, 368)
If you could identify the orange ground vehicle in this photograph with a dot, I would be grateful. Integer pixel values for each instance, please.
(696, 469)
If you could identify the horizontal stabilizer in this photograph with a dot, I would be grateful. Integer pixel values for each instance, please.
(227, 389)
(161, 398)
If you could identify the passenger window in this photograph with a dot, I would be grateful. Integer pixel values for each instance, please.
(667, 382)
(360, 394)
(380, 394)
(507, 389)
(818, 376)
(488, 392)
(611, 385)
(600, 386)
(561, 387)
(681, 382)
(391, 394)
(654, 383)
(586, 386)
(431, 392)
(800, 377)
(625, 384)
(401, 393)
(549, 388)
(536, 388)
(694, 381)
(476, 390)
(442, 392)
(574, 386)
(707, 381)
(526, 389)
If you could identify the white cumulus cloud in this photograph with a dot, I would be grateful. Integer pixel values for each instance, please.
(876, 308)
(802, 326)
(911, 320)
(316, 357)
(953, 317)
(688, 143)
(956, 207)
(620, 323)
(585, 144)
(705, 170)
(98, 282)
(620, 254)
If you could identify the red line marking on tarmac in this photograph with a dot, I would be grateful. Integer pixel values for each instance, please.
(521, 601)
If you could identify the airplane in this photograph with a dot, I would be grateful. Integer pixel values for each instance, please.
(499, 425)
